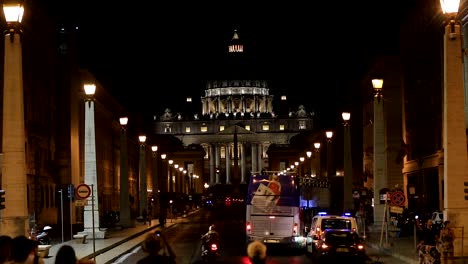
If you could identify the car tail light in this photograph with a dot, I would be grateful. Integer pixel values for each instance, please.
(318, 233)
(295, 229)
(248, 227)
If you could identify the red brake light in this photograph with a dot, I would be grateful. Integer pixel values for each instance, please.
(214, 247)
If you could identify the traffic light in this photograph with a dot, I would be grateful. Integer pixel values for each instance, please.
(2, 199)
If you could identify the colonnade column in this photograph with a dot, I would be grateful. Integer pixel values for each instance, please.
(217, 152)
(242, 154)
(212, 165)
(228, 163)
(254, 157)
(260, 157)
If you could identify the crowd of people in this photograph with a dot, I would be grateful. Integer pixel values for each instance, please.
(23, 250)
(435, 246)
(18, 250)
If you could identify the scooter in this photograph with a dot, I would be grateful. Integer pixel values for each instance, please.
(43, 237)
(210, 250)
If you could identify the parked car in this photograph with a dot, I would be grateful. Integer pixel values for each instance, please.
(338, 243)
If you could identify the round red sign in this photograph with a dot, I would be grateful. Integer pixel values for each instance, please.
(398, 198)
(83, 191)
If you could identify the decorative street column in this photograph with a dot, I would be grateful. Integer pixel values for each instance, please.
(154, 151)
(330, 171)
(125, 217)
(380, 173)
(318, 172)
(454, 128)
(14, 218)
(170, 179)
(301, 171)
(176, 177)
(348, 202)
(309, 167)
(143, 180)
(91, 211)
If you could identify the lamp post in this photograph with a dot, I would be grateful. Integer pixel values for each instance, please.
(154, 151)
(91, 213)
(309, 155)
(180, 180)
(164, 183)
(175, 180)
(348, 202)
(125, 218)
(329, 135)
(194, 183)
(163, 188)
(380, 173)
(171, 184)
(15, 215)
(317, 159)
(454, 127)
(302, 159)
(143, 182)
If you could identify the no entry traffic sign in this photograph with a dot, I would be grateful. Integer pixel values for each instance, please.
(83, 191)
(398, 198)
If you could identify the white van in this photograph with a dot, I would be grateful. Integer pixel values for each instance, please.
(322, 222)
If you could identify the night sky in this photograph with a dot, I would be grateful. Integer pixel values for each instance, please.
(153, 54)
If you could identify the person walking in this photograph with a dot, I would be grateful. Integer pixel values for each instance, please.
(446, 238)
(257, 252)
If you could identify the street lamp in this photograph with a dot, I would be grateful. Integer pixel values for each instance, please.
(194, 185)
(348, 203)
(171, 185)
(175, 176)
(15, 215)
(164, 187)
(380, 172)
(91, 213)
(329, 135)
(154, 150)
(309, 155)
(317, 159)
(301, 159)
(143, 183)
(125, 217)
(454, 127)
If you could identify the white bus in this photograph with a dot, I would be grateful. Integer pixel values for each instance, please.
(272, 212)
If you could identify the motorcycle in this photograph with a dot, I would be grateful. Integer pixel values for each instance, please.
(210, 249)
(44, 237)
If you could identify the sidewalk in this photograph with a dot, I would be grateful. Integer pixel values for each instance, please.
(116, 242)
(402, 248)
